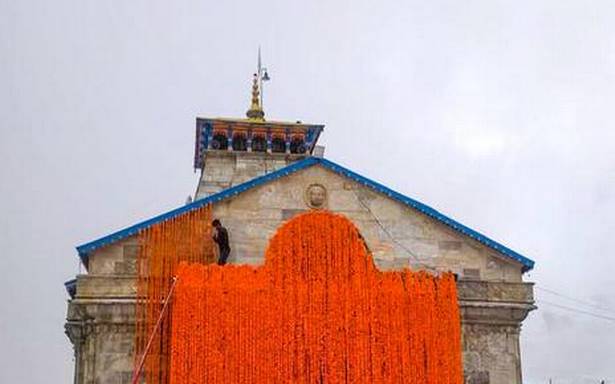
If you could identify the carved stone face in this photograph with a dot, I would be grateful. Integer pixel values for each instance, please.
(316, 196)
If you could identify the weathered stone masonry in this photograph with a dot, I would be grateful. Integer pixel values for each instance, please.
(494, 299)
(100, 324)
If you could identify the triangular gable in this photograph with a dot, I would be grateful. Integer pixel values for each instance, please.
(84, 250)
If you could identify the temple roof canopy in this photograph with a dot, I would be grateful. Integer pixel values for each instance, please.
(252, 122)
(254, 133)
(215, 134)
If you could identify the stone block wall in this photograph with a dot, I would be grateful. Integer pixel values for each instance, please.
(224, 169)
(397, 235)
(493, 299)
(100, 324)
(100, 320)
(491, 354)
(491, 317)
(102, 333)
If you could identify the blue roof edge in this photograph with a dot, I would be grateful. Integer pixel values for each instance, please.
(528, 264)
(71, 287)
(85, 249)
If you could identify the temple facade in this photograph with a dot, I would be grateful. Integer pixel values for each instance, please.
(258, 174)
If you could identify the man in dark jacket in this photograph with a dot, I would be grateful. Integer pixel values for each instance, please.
(221, 238)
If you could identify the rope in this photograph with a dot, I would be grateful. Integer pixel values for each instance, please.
(137, 373)
(402, 246)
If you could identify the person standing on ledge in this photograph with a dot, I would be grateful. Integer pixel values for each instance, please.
(221, 238)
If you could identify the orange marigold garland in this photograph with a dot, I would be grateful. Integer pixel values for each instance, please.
(163, 246)
(318, 311)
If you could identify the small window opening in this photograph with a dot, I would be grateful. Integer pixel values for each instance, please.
(278, 145)
(219, 142)
(259, 144)
(240, 143)
(297, 145)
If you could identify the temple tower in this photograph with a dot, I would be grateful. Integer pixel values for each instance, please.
(232, 151)
(255, 176)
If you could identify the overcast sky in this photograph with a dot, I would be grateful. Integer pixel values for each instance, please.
(497, 113)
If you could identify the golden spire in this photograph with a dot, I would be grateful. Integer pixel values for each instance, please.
(256, 110)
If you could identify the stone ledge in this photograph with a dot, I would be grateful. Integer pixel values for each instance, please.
(101, 311)
(492, 313)
(105, 286)
(494, 303)
(495, 291)
(124, 286)
(250, 155)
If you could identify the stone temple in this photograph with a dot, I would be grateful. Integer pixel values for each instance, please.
(257, 174)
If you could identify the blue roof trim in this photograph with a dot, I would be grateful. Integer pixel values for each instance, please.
(71, 287)
(427, 210)
(85, 249)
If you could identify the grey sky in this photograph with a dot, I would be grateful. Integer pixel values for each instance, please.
(498, 113)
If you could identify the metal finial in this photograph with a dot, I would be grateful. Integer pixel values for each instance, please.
(256, 111)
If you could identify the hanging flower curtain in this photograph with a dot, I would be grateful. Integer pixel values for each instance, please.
(318, 311)
(186, 238)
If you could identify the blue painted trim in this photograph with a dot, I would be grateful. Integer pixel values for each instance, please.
(427, 210)
(85, 249)
(71, 287)
(204, 132)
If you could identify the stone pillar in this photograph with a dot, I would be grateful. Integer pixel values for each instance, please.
(249, 140)
(229, 139)
(287, 141)
(77, 332)
(100, 320)
(209, 132)
(269, 146)
(491, 316)
(102, 335)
